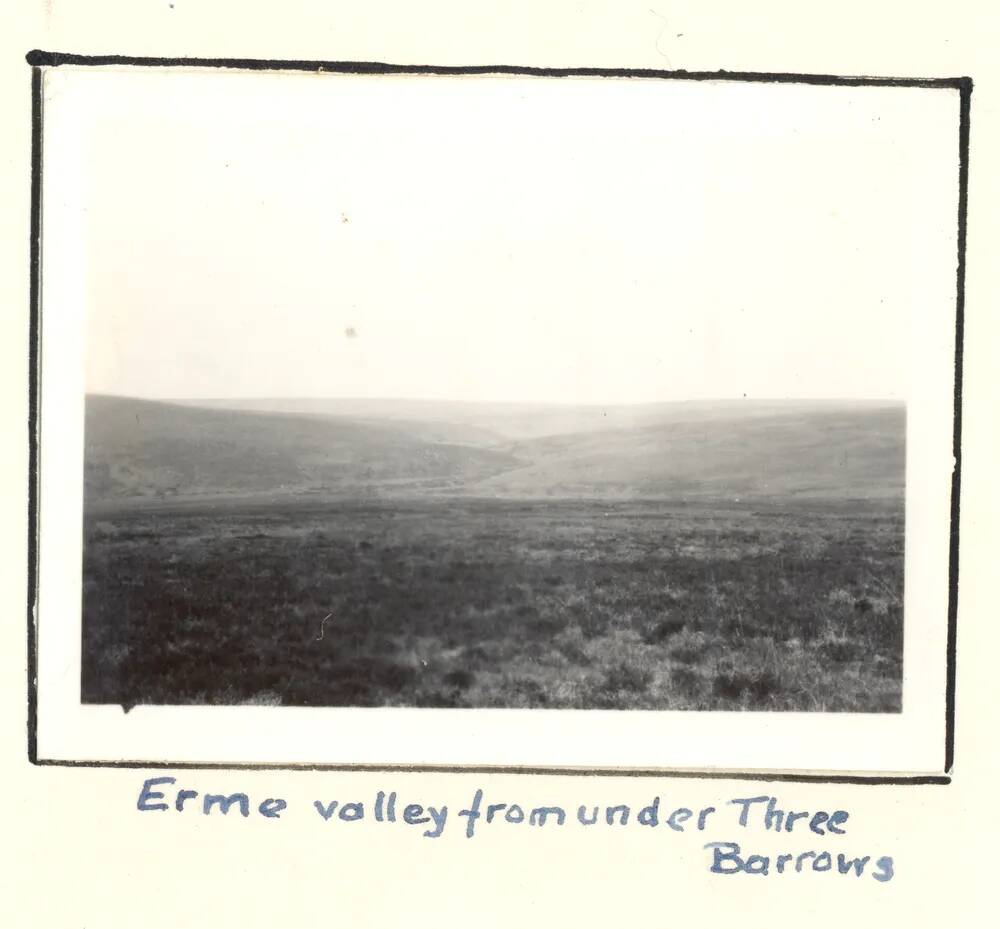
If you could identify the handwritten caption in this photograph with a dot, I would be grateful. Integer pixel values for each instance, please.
(729, 856)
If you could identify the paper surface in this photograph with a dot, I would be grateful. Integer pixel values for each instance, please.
(79, 829)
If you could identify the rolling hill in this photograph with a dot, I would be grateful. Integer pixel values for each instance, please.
(854, 453)
(136, 448)
(725, 449)
(493, 423)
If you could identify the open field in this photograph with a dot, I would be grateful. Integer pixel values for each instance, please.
(465, 602)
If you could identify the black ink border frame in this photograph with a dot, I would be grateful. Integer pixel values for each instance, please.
(39, 60)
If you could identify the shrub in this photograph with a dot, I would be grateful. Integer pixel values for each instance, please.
(840, 650)
(627, 677)
(686, 683)
(460, 679)
(663, 630)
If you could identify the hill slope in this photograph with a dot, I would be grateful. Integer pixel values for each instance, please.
(493, 423)
(719, 449)
(147, 448)
(829, 452)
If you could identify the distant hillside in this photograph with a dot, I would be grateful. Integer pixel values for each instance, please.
(847, 453)
(146, 448)
(491, 423)
(719, 449)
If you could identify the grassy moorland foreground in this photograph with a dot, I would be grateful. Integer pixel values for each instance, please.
(709, 555)
(479, 603)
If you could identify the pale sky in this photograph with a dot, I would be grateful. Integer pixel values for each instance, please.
(500, 238)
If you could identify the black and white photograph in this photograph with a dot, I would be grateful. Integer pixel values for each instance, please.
(500, 391)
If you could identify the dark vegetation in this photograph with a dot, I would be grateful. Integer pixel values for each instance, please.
(465, 603)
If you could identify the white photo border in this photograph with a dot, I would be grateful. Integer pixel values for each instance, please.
(918, 741)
